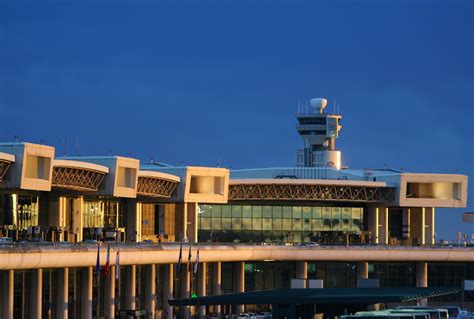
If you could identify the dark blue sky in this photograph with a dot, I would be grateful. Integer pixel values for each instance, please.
(207, 82)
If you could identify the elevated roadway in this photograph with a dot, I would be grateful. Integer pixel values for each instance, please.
(29, 256)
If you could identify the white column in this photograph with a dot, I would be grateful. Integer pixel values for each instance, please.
(138, 221)
(422, 278)
(86, 293)
(62, 293)
(373, 221)
(110, 294)
(301, 270)
(239, 282)
(192, 218)
(36, 299)
(77, 224)
(216, 283)
(383, 219)
(134, 220)
(362, 271)
(422, 274)
(168, 290)
(150, 290)
(422, 226)
(202, 280)
(185, 281)
(130, 287)
(7, 293)
(430, 226)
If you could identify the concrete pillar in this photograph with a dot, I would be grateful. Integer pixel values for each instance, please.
(130, 287)
(201, 285)
(109, 294)
(150, 290)
(383, 220)
(422, 278)
(216, 283)
(62, 293)
(362, 271)
(422, 274)
(239, 282)
(301, 270)
(168, 290)
(181, 221)
(77, 222)
(86, 293)
(57, 214)
(422, 226)
(185, 283)
(8, 280)
(192, 219)
(373, 223)
(430, 226)
(134, 220)
(36, 299)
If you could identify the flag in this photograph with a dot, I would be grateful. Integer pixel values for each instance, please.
(197, 262)
(189, 259)
(97, 264)
(107, 262)
(178, 265)
(117, 260)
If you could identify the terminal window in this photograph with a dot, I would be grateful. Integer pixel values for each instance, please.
(259, 223)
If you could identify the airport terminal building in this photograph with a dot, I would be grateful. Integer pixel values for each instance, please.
(90, 236)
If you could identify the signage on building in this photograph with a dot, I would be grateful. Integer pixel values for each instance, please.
(368, 283)
(298, 283)
(468, 284)
(316, 283)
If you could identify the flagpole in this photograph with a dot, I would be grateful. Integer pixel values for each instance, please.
(178, 275)
(97, 267)
(190, 279)
(117, 277)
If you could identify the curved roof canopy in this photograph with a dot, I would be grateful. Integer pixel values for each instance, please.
(5, 161)
(77, 175)
(156, 184)
(319, 190)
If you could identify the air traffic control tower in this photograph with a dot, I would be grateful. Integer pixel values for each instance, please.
(319, 131)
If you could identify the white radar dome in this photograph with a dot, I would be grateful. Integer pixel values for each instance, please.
(319, 104)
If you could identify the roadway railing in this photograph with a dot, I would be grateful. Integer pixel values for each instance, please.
(167, 245)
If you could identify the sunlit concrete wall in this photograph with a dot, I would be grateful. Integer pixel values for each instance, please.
(33, 166)
(432, 190)
(121, 181)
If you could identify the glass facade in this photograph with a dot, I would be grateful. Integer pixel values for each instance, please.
(149, 220)
(99, 214)
(451, 275)
(258, 223)
(334, 274)
(93, 214)
(401, 274)
(19, 210)
(268, 275)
